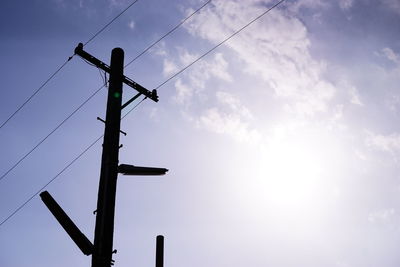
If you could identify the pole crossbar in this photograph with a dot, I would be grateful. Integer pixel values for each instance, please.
(98, 63)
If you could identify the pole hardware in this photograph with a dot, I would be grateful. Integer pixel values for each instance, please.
(130, 100)
(136, 170)
(98, 63)
(100, 119)
(69, 226)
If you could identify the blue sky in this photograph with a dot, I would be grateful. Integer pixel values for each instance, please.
(283, 144)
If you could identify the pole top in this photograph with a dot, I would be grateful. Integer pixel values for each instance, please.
(118, 50)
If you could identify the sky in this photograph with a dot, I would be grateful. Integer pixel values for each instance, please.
(282, 144)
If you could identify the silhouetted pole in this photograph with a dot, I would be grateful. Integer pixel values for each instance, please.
(102, 249)
(160, 251)
(104, 231)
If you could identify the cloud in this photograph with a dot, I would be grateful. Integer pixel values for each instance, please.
(385, 143)
(195, 78)
(229, 123)
(346, 4)
(308, 4)
(274, 52)
(393, 102)
(217, 67)
(381, 216)
(234, 104)
(355, 96)
(276, 48)
(227, 115)
(183, 93)
(391, 55)
(230, 117)
(131, 25)
(159, 50)
(169, 67)
(393, 5)
(117, 3)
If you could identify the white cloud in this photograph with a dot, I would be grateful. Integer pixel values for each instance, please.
(194, 79)
(230, 117)
(355, 96)
(183, 93)
(228, 123)
(346, 4)
(274, 51)
(154, 113)
(131, 25)
(186, 57)
(381, 216)
(159, 50)
(309, 4)
(393, 102)
(169, 67)
(117, 3)
(385, 143)
(391, 55)
(393, 5)
(276, 48)
(204, 70)
(234, 104)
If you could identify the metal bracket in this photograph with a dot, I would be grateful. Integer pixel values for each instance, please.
(98, 63)
(100, 119)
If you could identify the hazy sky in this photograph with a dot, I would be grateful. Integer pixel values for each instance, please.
(283, 144)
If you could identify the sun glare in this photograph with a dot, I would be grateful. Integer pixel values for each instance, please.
(290, 170)
(289, 174)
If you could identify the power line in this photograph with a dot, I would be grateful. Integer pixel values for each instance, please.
(49, 182)
(179, 72)
(63, 170)
(135, 106)
(48, 135)
(37, 91)
(168, 33)
(98, 90)
(61, 67)
(87, 100)
(108, 24)
(221, 43)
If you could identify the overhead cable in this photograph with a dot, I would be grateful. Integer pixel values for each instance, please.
(63, 170)
(91, 96)
(168, 33)
(219, 44)
(62, 66)
(163, 83)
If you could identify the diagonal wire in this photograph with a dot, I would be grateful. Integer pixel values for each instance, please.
(179, 72)
(37, 91)
(168, 33)
(221, 43)
(62, 66)
(108, 24)
(51, 180)
(62, 171)
(48, 135)
(90, 97)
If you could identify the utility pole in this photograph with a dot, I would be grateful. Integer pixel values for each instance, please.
(102, 249)
(104, 231)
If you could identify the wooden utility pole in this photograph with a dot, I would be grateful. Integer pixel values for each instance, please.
(102, 249)
(104, 231)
